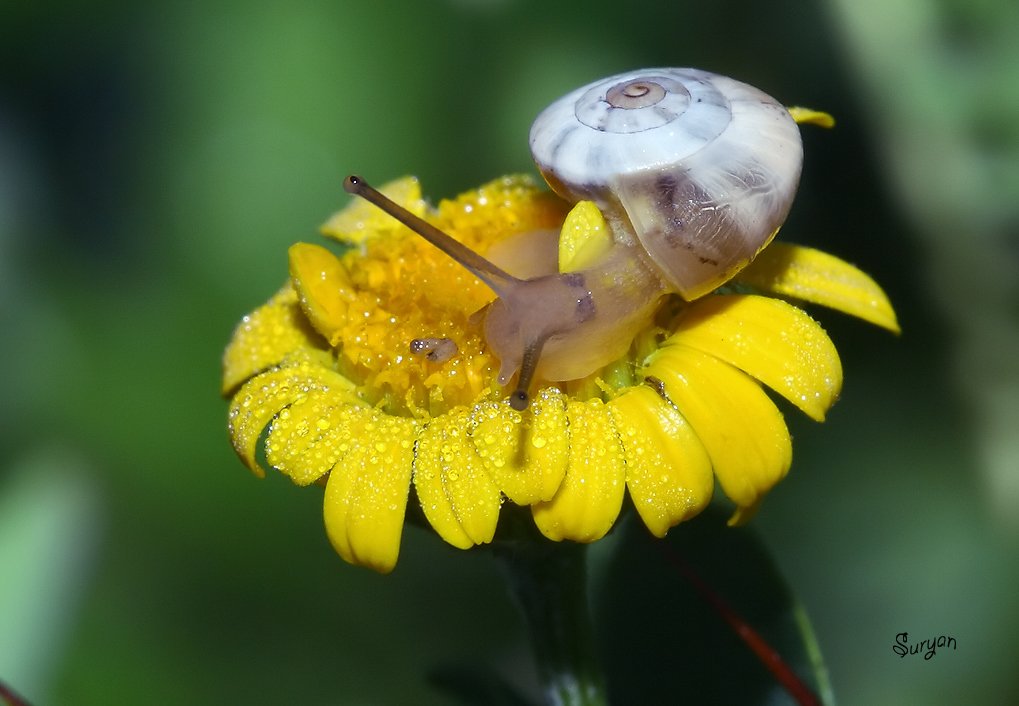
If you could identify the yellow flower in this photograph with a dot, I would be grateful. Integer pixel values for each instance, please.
(327, 366)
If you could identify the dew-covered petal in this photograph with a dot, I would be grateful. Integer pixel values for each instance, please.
(324, 290)
(264, 396)
(770, 340)
(318, 429)
(366, 493)
(265, 337)
(588, 500)
(817, 277)
(668, 472)
(361, 220)
(525, 454)
(458, 498)
(741, 429)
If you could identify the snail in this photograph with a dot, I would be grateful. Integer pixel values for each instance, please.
(693, 172)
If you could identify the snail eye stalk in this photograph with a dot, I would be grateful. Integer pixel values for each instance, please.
(500, 281)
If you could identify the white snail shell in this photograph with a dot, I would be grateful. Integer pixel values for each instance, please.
(699, 168)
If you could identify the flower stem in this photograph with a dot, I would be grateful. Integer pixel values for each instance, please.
(548, 581)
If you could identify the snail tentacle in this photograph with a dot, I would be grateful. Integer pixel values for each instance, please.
(489, 273)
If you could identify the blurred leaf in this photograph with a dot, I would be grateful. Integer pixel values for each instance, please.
(654, 622)
(48, 529)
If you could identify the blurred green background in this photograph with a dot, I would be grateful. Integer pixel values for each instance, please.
(156, 160)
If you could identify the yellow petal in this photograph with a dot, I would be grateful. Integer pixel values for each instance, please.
(588, 501)
(361, 221)
(261, 398)
(524, 453)
(742, 515)
(319, 428)
(741, 429)
(458, 498)
(817, 277)
(584, 238)
(811, 117)
(668, 472)
(323, 288)
(366, 494)
(264, 337)
(770, 340)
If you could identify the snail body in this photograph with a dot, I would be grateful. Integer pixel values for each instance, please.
(694, 174)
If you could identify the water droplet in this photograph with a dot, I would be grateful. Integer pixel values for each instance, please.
(538, 442)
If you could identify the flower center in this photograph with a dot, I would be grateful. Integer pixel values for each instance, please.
(412, 338)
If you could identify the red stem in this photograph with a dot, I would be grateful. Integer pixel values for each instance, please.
(760, 647)
(9, 698)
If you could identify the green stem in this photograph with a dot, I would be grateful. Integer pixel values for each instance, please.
(548, 581)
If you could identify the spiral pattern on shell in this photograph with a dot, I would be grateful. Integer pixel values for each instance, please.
(698, 169)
